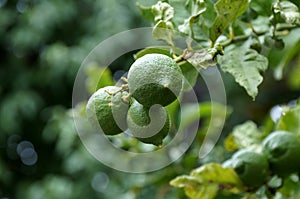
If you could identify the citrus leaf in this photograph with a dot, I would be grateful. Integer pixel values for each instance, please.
(293, 79)
(163, 31)
(246, 135)
(214, 111)
(165, 50)
(197, 8)
(245, 65)
(291, 189)
(215, 173)
(191, 75)
(146, 12)
(162, 11)
(181, 10)
(288, 12)
(205, 181)
(227, 12)
(97, 77)
(280, 59)
(290, 120)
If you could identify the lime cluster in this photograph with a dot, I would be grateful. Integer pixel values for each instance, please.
(280, 155)
(154, 81)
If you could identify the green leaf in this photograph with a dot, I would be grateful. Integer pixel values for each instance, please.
(288, 12)
(197, 8)
(164, 31)
(172, 110)
(181, 10)
(280, 59)
(227, 12)
(290, 120)
(191, 75)
(293, 77)
(261, 7)
(205, 22)
(245, 65)
(205, 181)
(97, 77)
(193, 111)
(261, 24)
(146, 12)
(159, 11)
(290, 189)
(246, 135)
(162, 11)
(165, 50)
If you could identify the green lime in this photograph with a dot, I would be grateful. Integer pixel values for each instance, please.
(110, 110)
(155, 79)
(282, 149)
(149, 125)
(251, 167)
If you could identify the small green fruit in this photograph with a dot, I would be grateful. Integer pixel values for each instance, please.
(282, 149)
(110, 110)
(251, 167)
(155, 79)
(149, 125)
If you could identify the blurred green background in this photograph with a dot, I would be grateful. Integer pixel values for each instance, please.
(42, 44)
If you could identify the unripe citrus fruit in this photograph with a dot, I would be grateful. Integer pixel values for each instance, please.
(149, 125)
(251, 167)
(108, 110)
(155, 79)
(282, 149)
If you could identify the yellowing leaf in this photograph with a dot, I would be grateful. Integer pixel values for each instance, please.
(247, 135)
(205, 181)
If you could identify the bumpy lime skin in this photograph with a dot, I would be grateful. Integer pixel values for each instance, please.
(110, 110)
(155, 79)
(282, 149)
(251, 167)
(148, 126)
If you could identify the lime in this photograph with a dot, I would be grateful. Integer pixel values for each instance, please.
(149, 125)
(282, 149)
(155, 79)
(251, 167)
(109, 108)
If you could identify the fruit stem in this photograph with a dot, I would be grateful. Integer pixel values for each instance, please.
(124, 79)
(180, 58)
(126, 98)
(124, 87)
